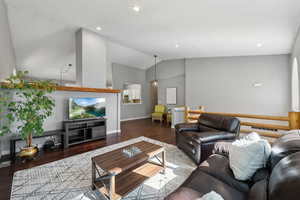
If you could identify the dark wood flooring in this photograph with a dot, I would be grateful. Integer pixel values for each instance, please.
(130, 129)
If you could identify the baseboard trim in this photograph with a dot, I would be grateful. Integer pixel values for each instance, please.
(113, 131)
(135, 118)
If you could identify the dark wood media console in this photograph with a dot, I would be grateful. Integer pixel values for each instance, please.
(80, 131)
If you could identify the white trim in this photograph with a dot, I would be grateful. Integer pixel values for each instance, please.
(113, 131)
(4, 153)
(135, 118)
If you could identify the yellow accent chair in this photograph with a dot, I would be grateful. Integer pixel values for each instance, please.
(159, 112)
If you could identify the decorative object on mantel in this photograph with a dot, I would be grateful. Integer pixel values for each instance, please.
(27, 106)
(63, 70)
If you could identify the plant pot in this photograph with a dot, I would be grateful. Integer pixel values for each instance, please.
(28, 152)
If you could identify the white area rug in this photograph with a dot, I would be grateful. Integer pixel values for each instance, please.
(70, 178)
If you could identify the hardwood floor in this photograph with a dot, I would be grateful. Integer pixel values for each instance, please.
(130, 129)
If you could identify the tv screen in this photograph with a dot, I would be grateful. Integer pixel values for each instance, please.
(82, 108)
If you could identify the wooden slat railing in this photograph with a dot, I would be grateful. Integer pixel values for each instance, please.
(293, 120)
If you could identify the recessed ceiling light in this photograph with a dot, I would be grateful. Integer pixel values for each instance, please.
(98, 28)
(136, 8)
(259, 44)
(176, 45)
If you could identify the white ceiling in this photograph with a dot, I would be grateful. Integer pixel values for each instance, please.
(202, 28)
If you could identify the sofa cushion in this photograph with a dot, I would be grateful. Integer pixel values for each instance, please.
(220, 122)
(211, 136)
(284, 180)
(259, 190)
(157, 114)
(184, 193)
(283, 147)
(205, 183)
(218, 167)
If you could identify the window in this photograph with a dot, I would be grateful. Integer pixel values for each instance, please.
(295, 86)
(132, 93)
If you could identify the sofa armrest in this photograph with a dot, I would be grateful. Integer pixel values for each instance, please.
(186, 127)
(222, 148)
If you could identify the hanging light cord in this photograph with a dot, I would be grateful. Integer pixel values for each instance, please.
(155, 76)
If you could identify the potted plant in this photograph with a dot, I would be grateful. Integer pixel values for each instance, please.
(24, 107)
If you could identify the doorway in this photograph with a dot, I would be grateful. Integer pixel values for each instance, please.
(153, 94)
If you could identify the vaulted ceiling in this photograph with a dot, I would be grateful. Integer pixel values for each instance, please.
(169, 28)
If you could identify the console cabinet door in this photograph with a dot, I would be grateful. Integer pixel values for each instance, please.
(99, 132)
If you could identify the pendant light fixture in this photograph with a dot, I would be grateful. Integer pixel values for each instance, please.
(155, 82)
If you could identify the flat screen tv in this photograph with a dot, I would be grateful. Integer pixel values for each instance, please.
(84, 108)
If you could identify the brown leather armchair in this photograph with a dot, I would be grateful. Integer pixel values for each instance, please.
(280, 180)
(197, 139)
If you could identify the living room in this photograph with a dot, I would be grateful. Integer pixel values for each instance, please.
(141, 99)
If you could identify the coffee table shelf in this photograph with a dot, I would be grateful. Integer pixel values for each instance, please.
(121, 174)
(128, 181)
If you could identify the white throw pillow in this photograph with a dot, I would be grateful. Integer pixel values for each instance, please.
(212, 196)
(247, 155)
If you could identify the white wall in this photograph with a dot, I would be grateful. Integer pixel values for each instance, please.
(296, 49)
(226, 84)
(296, 54)
(7, 56)
(91, 59)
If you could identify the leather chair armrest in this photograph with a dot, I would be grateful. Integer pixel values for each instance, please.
(186, 127)
(222, 148)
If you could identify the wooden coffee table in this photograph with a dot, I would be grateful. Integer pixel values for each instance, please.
(119, 174)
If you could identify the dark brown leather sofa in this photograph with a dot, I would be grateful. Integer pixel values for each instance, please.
(197, 139)
(280, 180)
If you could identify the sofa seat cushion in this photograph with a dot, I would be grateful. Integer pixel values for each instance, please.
(157, 114)
(218, 166)
(205, 183)
(210, 136)
(184, 193)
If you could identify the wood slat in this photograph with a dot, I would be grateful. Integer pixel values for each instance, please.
(265, 117)
(268, 126)
(263, 133)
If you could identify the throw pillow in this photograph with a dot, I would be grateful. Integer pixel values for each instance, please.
(247, 155)
(212, 196)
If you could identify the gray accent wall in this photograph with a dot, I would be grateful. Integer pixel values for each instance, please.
(124, 74)
(7, 55)
(170, 73)
(227, 84)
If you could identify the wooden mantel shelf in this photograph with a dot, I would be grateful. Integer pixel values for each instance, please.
(84, 89)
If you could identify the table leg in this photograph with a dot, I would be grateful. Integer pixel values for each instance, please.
(93, 175)
(112, 187)
(163, 153)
